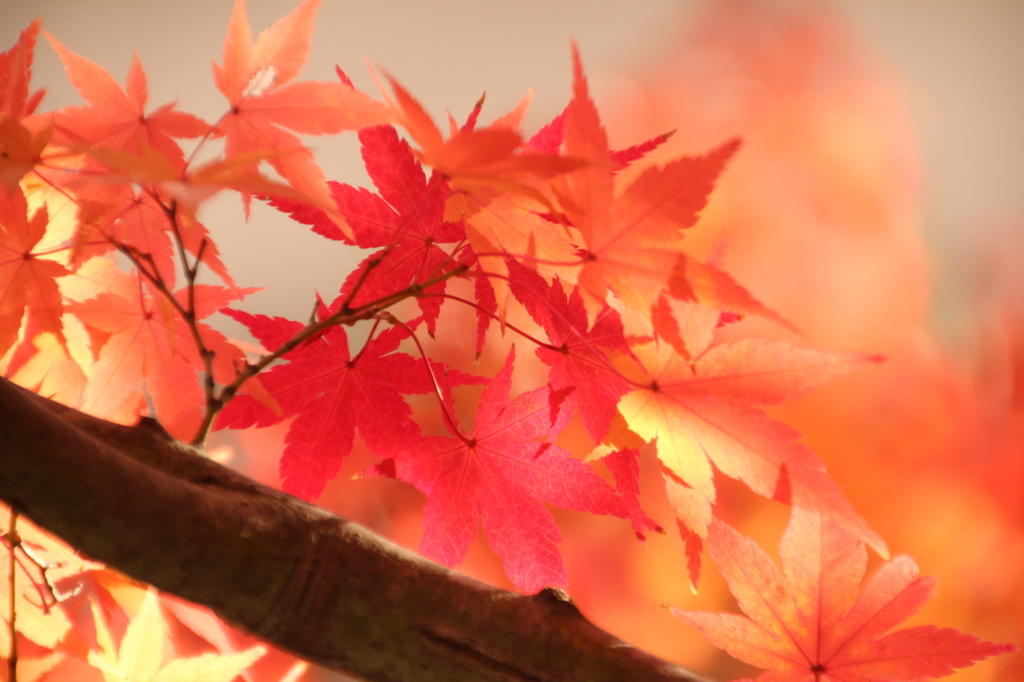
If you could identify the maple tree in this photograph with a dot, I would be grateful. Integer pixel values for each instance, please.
(544, 242)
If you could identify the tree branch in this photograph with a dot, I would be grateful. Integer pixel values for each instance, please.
(286, 571)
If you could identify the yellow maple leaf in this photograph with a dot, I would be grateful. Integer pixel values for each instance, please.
(140, 658)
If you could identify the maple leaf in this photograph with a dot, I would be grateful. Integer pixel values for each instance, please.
(579, 366)
(807, 621)
(27, 279)
(497, 477)
(630, 238)
(624, 466)
(186, 188)
(497, 183)
(116, 118)
(703, 413)
(255, 78)
(21, 146)
(140, 656)
(15, 74)
(505, 226)
(137, 221)
(54, 368)
(550, 137)
(629, 241)
(148, 341)
(21, 150)
(477, 160)
(333, 394)
(406, 219)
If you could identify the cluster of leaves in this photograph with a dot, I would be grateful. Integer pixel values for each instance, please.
(541, 227)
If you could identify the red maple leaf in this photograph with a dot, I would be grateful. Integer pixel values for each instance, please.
(498, 476)
(255, 78)
(498, 184)
(579, 368)
(405, 221)
(333, 393)
(624, 466)
(807, 622)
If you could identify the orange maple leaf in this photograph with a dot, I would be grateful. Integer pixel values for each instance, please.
(20, 150)
(808, 623)
(21, 145)
(631, 238)
(189, 187)
(147, 341)
(115, 117)
(136, 221)
(255, 79)
(52, 370)
(504, 227)
(704, 412)
(15, 74)
(478, 161)
(27, 280)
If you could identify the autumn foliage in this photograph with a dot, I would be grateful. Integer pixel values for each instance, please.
(552, 268)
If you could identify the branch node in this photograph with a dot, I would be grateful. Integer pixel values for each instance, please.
(557, 599)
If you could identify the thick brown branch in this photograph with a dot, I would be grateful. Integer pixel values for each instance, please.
(311, 583)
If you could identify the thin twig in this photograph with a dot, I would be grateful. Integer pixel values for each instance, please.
(187, 312)
(206, 355)
(12, 543)
(44, 588)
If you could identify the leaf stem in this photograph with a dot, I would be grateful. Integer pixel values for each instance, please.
(448, 419)
(599, 359)
(481, 309)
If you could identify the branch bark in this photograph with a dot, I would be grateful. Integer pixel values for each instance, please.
(308, 582)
